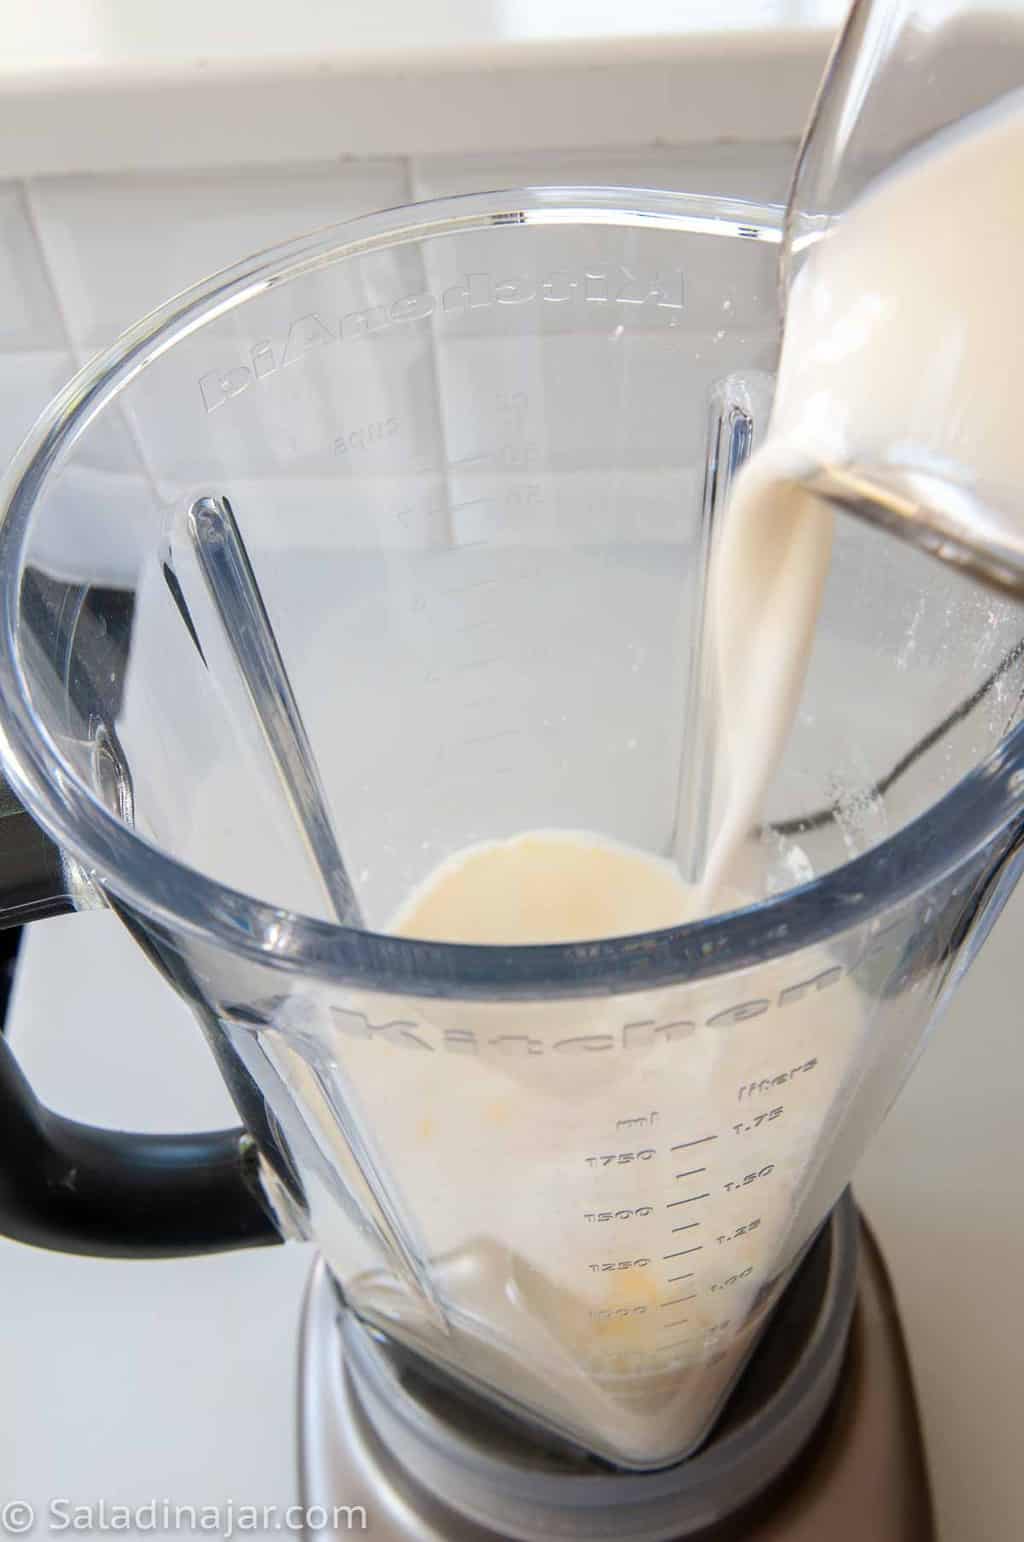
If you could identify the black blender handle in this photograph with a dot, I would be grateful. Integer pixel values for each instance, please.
(107, 1193)
(113, 1194)
(33, 874)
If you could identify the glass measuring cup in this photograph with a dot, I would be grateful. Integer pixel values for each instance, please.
(412, 520)
(900, 74)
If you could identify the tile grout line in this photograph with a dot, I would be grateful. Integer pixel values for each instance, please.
(80, 355)
(25, 189)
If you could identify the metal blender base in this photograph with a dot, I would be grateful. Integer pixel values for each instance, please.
(820, 1438)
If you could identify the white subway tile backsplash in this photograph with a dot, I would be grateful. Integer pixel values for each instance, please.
(119, 245)
(29, 319)
(759, 172)
(82, 257)
(510, 408)
(34, 356)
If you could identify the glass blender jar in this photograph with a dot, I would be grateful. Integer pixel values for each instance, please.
(416, 514)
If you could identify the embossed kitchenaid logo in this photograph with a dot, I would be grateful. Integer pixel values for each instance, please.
(618, 286)
(299, 1016)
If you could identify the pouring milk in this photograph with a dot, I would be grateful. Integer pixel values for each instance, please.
(618, 1302)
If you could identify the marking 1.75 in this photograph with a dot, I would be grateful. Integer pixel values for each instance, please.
(757, 1120)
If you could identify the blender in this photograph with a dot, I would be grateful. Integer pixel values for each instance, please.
(417, 513)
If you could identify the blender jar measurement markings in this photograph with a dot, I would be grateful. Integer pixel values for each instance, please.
(749, 1178)
(741, 1231)
(637, 1121)
(621, 1157)
(624, 1158)
(733, 1279)
(758, 1120)
(625, 1263)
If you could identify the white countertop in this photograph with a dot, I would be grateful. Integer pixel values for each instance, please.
(100, 39)
(132, 1381)
(103, 85)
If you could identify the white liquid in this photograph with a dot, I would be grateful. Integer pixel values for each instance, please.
(545, 886)
(901, 344)
(570, 1169)
(537, 1300)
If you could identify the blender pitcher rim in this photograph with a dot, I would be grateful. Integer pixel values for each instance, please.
(165, 891)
